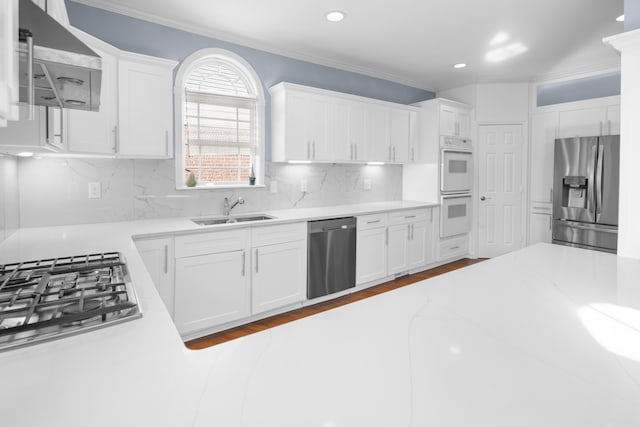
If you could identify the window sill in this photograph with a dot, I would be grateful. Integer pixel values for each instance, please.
(219, 187)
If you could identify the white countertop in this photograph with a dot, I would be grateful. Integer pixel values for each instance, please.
(496, 344)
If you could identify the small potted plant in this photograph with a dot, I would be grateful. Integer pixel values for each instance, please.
(252, 176)
(191, 179)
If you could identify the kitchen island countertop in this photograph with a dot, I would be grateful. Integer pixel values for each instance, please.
(519, 340)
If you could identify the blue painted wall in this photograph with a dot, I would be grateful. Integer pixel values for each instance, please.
(607, 84)
(631, 15)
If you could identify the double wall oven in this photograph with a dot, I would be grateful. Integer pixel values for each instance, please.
(456, 184)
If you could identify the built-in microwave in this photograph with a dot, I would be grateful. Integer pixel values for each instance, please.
(455, 215)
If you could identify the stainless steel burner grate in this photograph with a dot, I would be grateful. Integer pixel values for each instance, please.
(49, 298)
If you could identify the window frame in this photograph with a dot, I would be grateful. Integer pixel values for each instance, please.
(192, 62)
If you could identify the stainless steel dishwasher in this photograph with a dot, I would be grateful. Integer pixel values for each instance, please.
(331, 256)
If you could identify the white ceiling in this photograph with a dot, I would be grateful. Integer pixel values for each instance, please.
(415, 42)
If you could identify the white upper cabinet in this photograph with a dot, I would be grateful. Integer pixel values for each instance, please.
(9, 62)
(378, 120)
(440, 117)
(581, 122)
(310, 124)
(145, 113)
(454, 120)
(400, 135)
(97, 132)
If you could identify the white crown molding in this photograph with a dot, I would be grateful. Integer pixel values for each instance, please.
(252, 43)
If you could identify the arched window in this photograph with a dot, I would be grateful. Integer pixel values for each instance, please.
(220, 111)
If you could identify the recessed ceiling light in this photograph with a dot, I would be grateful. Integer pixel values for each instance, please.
(620, 18)
(335, 16)
(460, 65)
(25, 154)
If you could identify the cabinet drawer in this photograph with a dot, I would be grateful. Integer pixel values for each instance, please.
(210, 243)
(454, 247)
(403, 217)
(372, 221)
(269, 235)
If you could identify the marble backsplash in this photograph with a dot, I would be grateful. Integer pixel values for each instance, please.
(53, 191)
(9, 201)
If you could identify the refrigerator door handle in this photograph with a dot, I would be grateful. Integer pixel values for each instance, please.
(599, 172)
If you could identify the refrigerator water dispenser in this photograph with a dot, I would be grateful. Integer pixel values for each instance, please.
(574, 191)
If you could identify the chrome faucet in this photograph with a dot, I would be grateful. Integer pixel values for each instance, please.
(228, 207)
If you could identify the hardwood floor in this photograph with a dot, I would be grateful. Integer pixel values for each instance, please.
(269, 322)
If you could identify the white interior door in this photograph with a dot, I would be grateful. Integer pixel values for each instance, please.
(500, 190)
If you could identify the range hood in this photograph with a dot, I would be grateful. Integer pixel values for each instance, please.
(56, 69)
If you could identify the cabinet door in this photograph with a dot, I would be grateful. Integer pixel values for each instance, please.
(613, 120)
(447, 121)
(316, 118)
(543, 135)
(378, 119)
(96, 132)
(581, 122)
(397, 253)
(338, 130)
(414, 137)
(26, 133)
(400, 135)
(462, 123)
(157, 255)
(279, 275)
(297, 145)
(539, 228)
(419, 245)
(357, 131)
(371, 255)
(211, 290)
(145, 108)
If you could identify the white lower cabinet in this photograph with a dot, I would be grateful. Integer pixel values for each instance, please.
(393, 244)
(212, 283)
(397, 254)
(453, 247)
(210, 290)
(371, 248)
(279, 275)
(157, 255)
(539, 228)
(226, 276)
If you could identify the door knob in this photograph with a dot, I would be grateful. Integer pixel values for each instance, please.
(483, 198)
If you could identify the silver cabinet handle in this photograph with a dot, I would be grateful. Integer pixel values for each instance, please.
(350, 151)
(116, 140)
(244, 259)
(408, 231)
(355, 149)
(314, 150)
(166, 141)
(431, 216)
(166, 259)
(551, 194)
(454, 247)
(394, 153)
(413, 154)
(256, 260)
(308, 149)
(409, 216)
(373, 222)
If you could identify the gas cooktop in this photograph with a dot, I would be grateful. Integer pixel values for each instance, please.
(52, 298)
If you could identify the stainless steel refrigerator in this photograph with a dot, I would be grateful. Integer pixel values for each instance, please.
(585, 192)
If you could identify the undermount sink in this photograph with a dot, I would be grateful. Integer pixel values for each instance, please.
(230, 219)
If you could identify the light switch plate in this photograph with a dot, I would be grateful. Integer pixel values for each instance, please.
(303, 186)
(94, 190)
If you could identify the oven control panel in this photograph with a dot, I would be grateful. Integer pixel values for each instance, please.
(455, 143)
